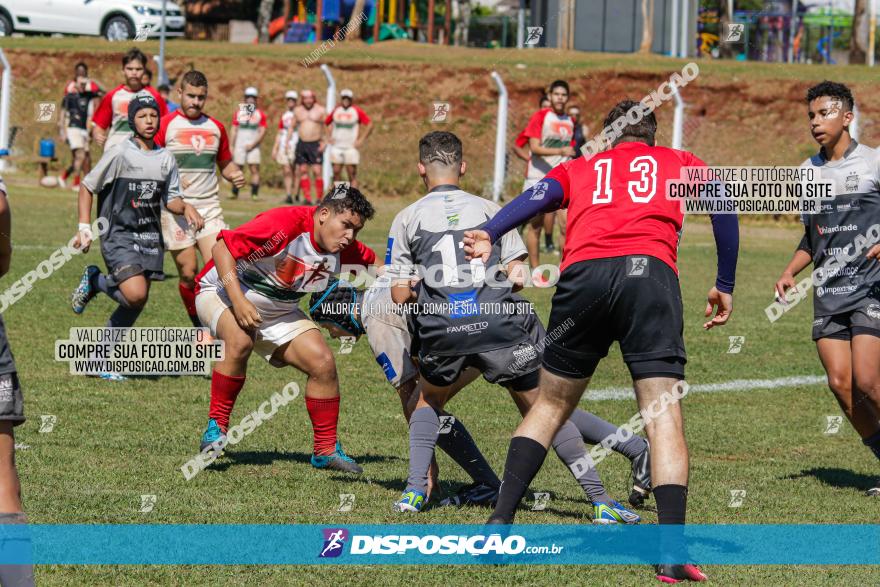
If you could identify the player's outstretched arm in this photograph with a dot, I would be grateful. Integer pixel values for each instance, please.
(545, 196)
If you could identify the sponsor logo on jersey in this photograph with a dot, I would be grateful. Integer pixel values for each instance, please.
(852, 182)
(474, 328)
(873, 311)
(823, 230)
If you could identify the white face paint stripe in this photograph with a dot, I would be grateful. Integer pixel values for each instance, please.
(622, 393)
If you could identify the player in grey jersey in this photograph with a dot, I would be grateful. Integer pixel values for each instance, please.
(840, 241)
(345, 311)
(133, 181)
(458, 323)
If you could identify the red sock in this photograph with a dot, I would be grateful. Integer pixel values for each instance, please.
(320, 191)
(224, 390)
(306, 186)
(76, 180)
(188, 295)
(324, 414)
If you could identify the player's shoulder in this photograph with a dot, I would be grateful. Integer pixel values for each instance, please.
(168, 118)
(117, 90)
(220, 126)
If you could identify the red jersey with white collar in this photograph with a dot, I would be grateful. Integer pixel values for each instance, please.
(277, 256)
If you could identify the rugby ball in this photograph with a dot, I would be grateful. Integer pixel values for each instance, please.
(49, 181)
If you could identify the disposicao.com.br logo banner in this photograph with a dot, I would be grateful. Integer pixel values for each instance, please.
(171, 544)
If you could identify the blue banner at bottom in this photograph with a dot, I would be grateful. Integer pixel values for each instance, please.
(438, 544)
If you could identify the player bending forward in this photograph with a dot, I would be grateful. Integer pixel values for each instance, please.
(248, 295)
(388, 332)
(133, 180)
(501, 346)
(846, 324)
(199, 144)
(619, 282)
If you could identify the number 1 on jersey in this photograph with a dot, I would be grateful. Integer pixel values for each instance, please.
(640, 191)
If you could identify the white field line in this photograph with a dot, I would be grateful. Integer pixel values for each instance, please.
(619, 393)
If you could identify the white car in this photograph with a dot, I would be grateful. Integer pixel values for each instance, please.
(115, 20)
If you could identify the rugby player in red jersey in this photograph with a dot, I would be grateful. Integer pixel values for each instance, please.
(619, 282)
(111, 117)
(248, 295)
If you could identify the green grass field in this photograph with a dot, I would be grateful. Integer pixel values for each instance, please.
(113, 443)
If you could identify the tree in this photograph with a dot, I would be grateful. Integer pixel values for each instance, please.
(461, 14)
(263, 18)
(354, 24)
(647, 26)
(858, 43)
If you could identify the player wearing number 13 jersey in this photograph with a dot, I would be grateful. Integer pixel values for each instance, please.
(619, 282)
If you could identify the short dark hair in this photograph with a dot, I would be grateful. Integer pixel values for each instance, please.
(644, 130)
(163, 88)
(559, 84)
(542, 99)
(194, 78)
(134, 55)
(81, 64)
(344, 197)
(440, 147)
(148, 72)
(828, 89)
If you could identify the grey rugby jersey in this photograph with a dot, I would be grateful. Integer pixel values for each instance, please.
(455, 306)
(853, 210)
(132, 185)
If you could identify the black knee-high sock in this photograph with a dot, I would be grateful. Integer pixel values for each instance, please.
(524, 459)
(671, 509)
(548, 240)
(255, 189)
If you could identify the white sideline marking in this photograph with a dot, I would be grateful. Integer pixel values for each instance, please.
(619, 393)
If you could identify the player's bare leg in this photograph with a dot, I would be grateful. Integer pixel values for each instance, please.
(669, 453)
(187, 263)
(10, 506)
(10, 488)
(549, 221)
(837, 359)
(136, 291)
(288, 182)
(337, 172)
(533, 236)
(866, 379)
(255, 180)
(561, 222)
(351, 171)
(309, 353)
